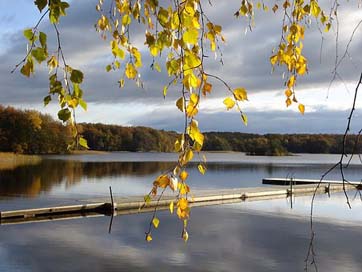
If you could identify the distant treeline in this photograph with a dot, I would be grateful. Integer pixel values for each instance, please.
(280, 144)
(30, 132)
(118, 138)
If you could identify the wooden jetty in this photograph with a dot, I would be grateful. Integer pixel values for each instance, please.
(131, 205)
(288, 181)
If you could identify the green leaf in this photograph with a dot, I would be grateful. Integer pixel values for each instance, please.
(147, 199)
(41, 4)
(39, 54)
(108, 68)
(64, 114)
(180, 104)
(28, 68)
(43, 39)
(28, 33)
(83, 104)
(83, 143)
(47, 99)
(54, 14)
(77, 91)
(76, 76)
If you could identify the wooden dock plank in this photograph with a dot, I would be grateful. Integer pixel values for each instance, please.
(130, 205)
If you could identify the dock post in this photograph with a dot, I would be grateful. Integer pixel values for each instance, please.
(113, 205)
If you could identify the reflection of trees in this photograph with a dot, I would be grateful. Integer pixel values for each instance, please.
(31, 180)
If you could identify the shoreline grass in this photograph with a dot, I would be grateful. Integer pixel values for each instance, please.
(9, 160)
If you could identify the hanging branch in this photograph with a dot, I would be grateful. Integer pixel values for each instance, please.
(311, 256)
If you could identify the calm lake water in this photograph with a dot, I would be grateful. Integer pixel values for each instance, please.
(250, 236)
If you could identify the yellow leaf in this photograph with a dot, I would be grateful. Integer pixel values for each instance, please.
(162, 181)
(291, 82)
(288, 102)
(189, 155)
(154, 50)
(155, 222)
(180, 104)
(190, 8)
(184, 189)
(138, 57)
(274, 59)
(52, 63)
(184, 175)
(202, 169)
(244, 118)
(148, 238)
(301, 108)
(206, 88)
(191, 81)
(157, 67)
(288, 93)
(183, 214)
(183, 203)
(165, 91)
(190, 36)
(191, 109)
(199, 137)
(130, 71)
(240, 94)
(194, 98)
(191, 60)
(185, 236)
(126, 20)
(171, 207)
(229, 103)
(121, 83)
(314, 8)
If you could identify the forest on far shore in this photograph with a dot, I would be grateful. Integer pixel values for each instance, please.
(30, 132)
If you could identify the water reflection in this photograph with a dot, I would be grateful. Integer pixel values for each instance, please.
(238, 237)
(53, 176)
(31, 180)
(221, 239)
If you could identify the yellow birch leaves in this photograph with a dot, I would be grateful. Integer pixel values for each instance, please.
(182, 36)
(289, 52)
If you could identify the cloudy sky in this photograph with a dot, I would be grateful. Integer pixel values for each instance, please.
(246, 64)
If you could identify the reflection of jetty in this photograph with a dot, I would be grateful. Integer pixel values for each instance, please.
(131, 205)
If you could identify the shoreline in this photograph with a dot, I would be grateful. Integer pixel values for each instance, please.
(10, 160)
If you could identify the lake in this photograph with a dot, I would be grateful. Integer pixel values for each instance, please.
(246, 236)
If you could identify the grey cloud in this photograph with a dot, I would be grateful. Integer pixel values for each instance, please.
(323, 121)
(246, 64)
